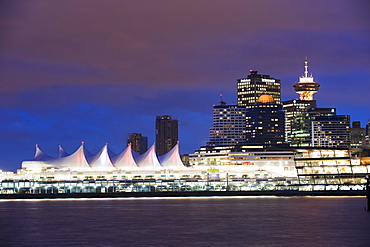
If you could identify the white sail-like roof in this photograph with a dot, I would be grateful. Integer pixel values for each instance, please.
(76, 161)
(172, 160)
(62, 152)
(149, 160)
(125, 160)
(40, 161)
(106, 160)
(101, 161)
(41, 156)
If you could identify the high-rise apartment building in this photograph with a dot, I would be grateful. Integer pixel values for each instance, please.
(229, 125)
(138, 142)
(166, 134)
(252, 87)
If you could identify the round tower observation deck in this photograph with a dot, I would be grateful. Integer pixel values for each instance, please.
(306, 87)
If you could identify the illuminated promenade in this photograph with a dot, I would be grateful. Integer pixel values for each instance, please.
(171, 188)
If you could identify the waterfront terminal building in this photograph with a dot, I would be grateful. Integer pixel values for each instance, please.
(212, 168)
(318, 168)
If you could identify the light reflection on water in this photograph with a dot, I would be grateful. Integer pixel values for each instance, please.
(213, 221)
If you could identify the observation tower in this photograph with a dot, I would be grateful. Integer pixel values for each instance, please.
(306, 87)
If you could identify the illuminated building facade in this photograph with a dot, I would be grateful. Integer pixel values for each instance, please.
(252, 87)
(308, 168)
(138, 142)
(295, 113)
(320, 127)
(331, 131)
(266, 123)
(330, 169)
(248, 161)
(229, 125)
(166, 135)
(259, 123)
(301, 133)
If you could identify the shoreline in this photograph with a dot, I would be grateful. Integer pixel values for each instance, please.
(287, 193)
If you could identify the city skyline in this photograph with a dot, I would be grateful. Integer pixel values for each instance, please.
(72, 71)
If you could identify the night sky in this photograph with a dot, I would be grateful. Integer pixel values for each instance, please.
(93, 71)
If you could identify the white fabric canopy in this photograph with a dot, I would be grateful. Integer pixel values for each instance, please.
(125, 160)
(149, 160)
(105, 160)
(101, 161)
(172, 160)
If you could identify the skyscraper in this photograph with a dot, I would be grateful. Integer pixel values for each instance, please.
(138, 142)
(295, 117)
(166, 134)
(266, 122)
(252, 87)
(298, 126)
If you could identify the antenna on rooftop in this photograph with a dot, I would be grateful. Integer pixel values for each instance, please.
(222, 102)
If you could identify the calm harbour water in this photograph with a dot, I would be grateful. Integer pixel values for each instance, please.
(242, 221)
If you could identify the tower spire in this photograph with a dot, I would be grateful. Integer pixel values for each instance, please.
(305, 67)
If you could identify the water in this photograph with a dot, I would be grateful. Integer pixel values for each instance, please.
(246, 221)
